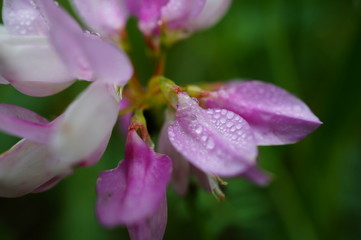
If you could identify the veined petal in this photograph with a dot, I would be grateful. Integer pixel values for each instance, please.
(181, 167)
(87, 56)
(22, 17)
(24, 123)
(108, 17)
(26, 167)
(87, 122)
(212, 12)
(216, 141)
(151, 228)
(276, 116)
(136, 188)
(32, 66)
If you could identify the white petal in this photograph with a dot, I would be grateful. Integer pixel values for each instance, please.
(86, 123)
(31, 65)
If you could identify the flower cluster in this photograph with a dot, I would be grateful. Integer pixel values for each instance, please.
(212, 132)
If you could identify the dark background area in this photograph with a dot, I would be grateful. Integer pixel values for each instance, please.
(311, 48)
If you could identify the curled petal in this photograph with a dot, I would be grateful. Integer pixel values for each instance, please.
(22, 17)
(24, 123)
(32, 66)
(212, 12)
(134, 190)
(87, 56)
(107, 17)
(26, 167)
(86, 123)
(216, 141)
(151, 228)
(276, 116)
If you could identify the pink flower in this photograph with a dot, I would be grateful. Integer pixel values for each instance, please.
(43, 50)
(133, 194)
(50, 151)
(275, 116)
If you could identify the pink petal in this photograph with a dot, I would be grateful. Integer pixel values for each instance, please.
(87, 56)
(151, 228)
(124, 120)
(32, 66)
(181, 167)
(148, 13)
(216, 141)
(178, 13)
(135, 189)
(276, 116)
(24, 123)
(22, 17)
(106, 17)
(212, 12)
(86, 123)
(26, 167)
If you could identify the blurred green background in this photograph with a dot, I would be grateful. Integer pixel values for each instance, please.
(311, 48)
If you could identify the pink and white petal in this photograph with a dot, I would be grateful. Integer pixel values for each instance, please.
(107, 17)
(257, 176)
(22, 17)
(96, 155)
(87, 56)
(81, 130)
(181, 167)
(216, 141)
(148, 13)
(32, 66)
(24, 123)
(109, 63)
(276, 116)
(26, 167)
(66, 36)
(151, 228)
(212, 12)
(134, 190)
(178, 13)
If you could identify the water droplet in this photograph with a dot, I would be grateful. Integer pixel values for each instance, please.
(199, 130)
(224, 112)
(230, 115)
(204, 138)
(223, 120)
(210, 144)
(217, 116)
(229, 124)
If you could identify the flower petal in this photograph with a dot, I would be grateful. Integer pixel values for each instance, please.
(87, 122)
(181, 167)
(24, 123)
(32, 66)
(151, 228)
(22, 17)
(87, 56)
(148, 13)
(212, 12)
(216, 141)
(135, 189)
(26, 167)
(106, 17)
(178, 13)
(276, 116)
